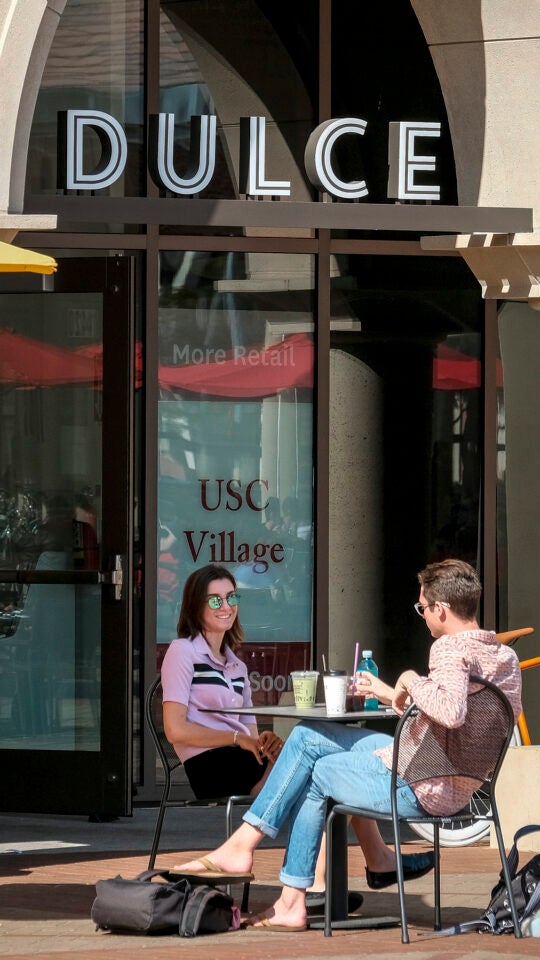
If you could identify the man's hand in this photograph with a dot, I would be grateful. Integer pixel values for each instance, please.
(401, 698)
(368, 685)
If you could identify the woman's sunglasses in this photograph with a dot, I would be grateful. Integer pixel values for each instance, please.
(215, 602)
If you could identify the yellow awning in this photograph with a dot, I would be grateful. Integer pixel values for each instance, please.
(16, 260)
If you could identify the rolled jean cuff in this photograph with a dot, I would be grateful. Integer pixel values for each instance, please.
(299, 883)
(265, 828)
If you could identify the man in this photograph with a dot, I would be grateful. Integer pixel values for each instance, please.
(321, 760)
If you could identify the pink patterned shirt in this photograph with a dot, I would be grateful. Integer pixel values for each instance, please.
(442, 697)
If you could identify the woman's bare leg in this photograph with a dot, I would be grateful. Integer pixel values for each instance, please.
(319, 883)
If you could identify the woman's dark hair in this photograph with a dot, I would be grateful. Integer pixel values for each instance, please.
(194, 600)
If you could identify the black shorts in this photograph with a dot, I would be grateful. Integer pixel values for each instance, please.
(223, 772)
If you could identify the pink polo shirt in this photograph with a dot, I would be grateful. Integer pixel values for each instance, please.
(193, 676)
(442, 699)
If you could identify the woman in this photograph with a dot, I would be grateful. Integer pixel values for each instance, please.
(222, 753)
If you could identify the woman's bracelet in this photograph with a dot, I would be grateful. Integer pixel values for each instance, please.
(235, 737)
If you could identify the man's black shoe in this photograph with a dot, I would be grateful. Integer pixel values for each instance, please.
(315, 902)
(414, 865)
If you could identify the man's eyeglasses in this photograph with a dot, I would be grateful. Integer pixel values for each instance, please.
(215, 602)
(420, 607)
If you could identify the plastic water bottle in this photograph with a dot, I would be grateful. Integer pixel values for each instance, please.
(368, 665)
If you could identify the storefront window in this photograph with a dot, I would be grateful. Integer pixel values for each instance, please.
(518, 465)
(518, 482)
(95, 63)
(264, 67)
(405, 443)
(235, 445)
(50, 521)
(392, 78)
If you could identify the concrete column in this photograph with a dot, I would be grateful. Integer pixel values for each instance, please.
(356, 503)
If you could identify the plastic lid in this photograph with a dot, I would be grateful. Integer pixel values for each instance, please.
(367, 654)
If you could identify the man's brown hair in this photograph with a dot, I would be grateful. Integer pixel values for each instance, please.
(455, 582)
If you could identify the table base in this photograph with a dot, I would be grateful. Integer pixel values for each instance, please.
(355, 922)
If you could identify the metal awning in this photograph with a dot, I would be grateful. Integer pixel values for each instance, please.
(420, 218)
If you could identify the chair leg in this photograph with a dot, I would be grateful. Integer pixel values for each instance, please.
(399, 871)
(437, 876)
(328, 873)
(229, 829)
(159, 821)
(157, 832)
(506, 872)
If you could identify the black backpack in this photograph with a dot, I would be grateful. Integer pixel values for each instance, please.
(497, 917)
(172, 906)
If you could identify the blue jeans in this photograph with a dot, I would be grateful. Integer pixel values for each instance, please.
(321, 760)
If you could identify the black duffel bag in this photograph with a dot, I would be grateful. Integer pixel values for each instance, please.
(145, 906)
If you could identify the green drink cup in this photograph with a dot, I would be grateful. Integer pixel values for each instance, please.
(304, 688)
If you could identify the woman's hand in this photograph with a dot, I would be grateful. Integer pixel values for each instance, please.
(250, 744)
(270, 745)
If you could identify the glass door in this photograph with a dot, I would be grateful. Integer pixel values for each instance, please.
(65, 517)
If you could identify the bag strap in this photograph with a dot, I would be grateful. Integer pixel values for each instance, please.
(179, 884)
(149, 874)
(513, 857)
(483, 924)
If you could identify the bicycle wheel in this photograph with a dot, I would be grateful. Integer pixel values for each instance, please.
(460, 833)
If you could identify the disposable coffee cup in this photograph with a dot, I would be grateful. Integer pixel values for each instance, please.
(304, 688)
(336, 683)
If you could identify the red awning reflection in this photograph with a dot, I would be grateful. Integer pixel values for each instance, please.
(35, 363)
(453, 370)
(94, 351)
(247, 372)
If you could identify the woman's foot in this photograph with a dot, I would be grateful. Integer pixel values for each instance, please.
(287, 913)
(233, 856)
(206, 869)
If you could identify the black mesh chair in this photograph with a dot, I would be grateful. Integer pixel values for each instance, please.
(153, 710)
(475, 750)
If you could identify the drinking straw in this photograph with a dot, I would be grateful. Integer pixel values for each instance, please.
(356, 652)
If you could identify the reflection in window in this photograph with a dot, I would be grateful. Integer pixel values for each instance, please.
(95, 62)
(405, 442)
(235, 436)
(50, 519)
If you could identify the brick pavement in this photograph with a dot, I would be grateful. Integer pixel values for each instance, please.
(45, 902)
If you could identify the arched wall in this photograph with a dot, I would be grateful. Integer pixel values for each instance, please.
(27, 28)
(487, 57)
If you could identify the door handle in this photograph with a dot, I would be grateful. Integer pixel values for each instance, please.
(115, 576)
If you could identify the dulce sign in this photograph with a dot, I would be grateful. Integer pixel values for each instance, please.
(406, 160)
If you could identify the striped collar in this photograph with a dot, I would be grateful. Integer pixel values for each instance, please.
(204, 649)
